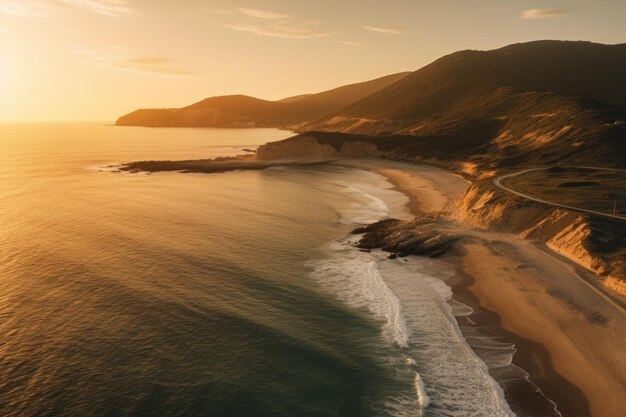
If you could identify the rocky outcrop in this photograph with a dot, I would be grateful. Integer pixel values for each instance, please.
(404, 238)
(209, 166)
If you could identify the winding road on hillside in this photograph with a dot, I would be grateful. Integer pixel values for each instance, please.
(498, 183)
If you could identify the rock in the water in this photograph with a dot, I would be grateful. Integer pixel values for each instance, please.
(404, 238)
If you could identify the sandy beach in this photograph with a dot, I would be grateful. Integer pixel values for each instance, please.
(569, 336)
(428, 188)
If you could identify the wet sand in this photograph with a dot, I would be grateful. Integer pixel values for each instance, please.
(568, 335)
(429, 189)
(541, 298)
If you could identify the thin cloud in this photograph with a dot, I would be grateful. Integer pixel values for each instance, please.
(26, 8)
(262, 14)
(276, 25)
(158, 65)
(151, 64)
(281, 31)
(542, 13)
(391, 31)
(103, 7)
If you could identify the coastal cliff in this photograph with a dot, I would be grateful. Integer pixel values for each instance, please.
(598, 244)
(312, 146)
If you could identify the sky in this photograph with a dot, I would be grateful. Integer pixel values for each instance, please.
(65, 60)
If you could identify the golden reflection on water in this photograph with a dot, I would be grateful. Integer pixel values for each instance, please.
(114, 287)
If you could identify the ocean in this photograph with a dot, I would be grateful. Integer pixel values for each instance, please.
(234, 294)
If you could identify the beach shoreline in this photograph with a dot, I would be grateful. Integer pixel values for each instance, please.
(570, 338)
(529, 296)
(532, 357)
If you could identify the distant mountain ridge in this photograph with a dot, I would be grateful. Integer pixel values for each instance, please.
(484, 80)
(540, 102)
(246, 111)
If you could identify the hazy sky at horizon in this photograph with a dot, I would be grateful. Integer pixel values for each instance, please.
(99, 59)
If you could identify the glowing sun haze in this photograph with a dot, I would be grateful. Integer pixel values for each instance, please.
(98, 59)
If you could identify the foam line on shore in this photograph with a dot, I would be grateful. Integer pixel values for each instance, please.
(417, 318)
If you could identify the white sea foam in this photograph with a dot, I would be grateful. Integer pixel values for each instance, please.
(450, 379)
(366, 213)
(110, 167)
(354, 277)
(376, 188)
(420, 391)
(459, 309)
(456, 380)
(416, 317)
(115, 167)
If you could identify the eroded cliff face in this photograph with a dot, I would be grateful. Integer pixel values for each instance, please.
(593, 242)
(308, 147)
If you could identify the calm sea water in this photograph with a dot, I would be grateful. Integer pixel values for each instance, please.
(234, 294)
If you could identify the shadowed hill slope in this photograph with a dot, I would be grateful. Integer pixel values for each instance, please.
(245, 111)
(538, 102)
(321, 104)
(589, 71)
